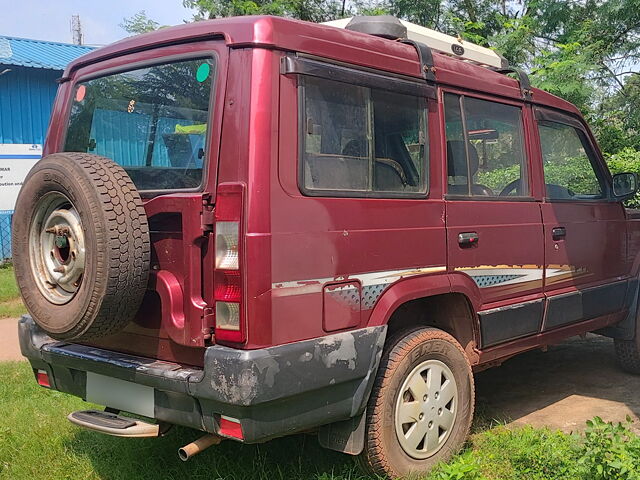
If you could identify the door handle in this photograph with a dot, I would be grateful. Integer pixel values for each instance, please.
(468, 239)
(558, 233)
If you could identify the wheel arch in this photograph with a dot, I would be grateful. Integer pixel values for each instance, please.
(447, 301)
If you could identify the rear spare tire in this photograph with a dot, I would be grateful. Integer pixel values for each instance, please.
(80, 246)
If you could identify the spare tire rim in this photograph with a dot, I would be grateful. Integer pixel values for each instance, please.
(426, 409)
(57, 248)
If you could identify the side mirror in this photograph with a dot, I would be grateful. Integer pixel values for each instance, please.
(625, 185)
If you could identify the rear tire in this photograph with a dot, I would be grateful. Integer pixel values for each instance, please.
(81, 247)
(412, 425)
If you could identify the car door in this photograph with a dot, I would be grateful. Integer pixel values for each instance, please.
(494, 226)
(586, 274)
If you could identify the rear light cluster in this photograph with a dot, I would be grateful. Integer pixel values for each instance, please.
(228, 279)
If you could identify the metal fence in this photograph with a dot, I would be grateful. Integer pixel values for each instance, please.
(5, 234)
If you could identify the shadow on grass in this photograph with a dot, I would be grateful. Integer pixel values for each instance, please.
(297, 457)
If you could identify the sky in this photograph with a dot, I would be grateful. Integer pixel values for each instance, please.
(100, 19)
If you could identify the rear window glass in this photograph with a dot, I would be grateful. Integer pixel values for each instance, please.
(152, 121)
(359, 141)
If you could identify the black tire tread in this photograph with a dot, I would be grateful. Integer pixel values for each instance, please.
(628, 355)
(128, 246)
(123, 247)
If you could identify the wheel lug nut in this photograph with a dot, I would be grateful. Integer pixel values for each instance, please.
(430, 425)
(439, 411)
(437, 395)
(424, 399)
(421, 416)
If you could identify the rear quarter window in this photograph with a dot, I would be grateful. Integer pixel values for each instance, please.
(152, 121)
(360, 141)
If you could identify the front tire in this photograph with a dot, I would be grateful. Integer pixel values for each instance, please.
(628, 355)
(421, 406)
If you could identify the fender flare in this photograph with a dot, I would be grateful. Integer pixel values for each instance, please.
(423, 286)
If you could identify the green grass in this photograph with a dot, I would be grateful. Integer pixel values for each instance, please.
(10, 303)
(37, 442)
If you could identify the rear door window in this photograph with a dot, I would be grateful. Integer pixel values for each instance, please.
(485, 148)
(152, 121)
(360, 141)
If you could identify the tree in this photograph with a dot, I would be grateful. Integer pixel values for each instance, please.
(585, 51)
(310, 10)
(139, 23)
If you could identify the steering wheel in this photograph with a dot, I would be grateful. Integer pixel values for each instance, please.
(510, 187)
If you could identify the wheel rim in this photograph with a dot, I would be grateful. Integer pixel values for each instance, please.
(57, 248)
(426, 409)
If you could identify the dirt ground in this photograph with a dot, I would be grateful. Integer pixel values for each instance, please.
(9, 348)
(562, 388)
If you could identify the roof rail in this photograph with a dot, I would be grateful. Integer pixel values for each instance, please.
(523, 80)
(390, 27)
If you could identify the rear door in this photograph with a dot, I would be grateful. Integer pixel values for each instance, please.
(584, 232)
(158, 113)
(494, 228)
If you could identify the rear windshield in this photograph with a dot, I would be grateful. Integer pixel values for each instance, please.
(152, 121)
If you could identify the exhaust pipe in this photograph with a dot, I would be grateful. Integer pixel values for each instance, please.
(194, 448)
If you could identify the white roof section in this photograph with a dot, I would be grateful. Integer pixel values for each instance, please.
(455, 47)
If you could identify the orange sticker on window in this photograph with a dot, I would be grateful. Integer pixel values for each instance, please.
(80, 93)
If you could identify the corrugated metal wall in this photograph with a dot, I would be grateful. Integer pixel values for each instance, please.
(26, 98)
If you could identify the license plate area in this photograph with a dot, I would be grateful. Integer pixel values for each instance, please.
(120, 394)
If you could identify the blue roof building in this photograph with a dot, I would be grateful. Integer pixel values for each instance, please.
(28, 73)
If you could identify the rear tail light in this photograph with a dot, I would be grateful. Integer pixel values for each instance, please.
(43, 378)
(228, 294)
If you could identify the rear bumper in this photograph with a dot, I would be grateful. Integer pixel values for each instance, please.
(273, 391)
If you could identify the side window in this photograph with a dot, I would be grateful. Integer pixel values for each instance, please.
(568, 169)
(485, 148)
(360, 141)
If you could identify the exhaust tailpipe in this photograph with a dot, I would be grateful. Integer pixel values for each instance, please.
(194, 448)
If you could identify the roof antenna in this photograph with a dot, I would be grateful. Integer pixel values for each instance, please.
(76, 30)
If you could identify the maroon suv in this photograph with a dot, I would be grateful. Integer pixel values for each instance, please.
(258, 226)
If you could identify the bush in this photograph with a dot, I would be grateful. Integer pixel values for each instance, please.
(610, 451)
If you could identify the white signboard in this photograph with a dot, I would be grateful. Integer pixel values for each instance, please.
(15, 162)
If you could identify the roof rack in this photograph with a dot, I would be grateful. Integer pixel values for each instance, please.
(424, 40)
(391, 27)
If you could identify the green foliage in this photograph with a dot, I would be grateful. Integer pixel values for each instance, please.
(498, 178)
(527, 454)
(10, 303)
(8, 287)
(139, 23)
(606, 451)
(310, 10)
(610, 451)
(463, 467)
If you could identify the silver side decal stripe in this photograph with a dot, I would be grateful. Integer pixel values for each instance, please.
(373, 283)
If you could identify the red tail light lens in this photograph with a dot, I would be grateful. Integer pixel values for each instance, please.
(228, 284)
